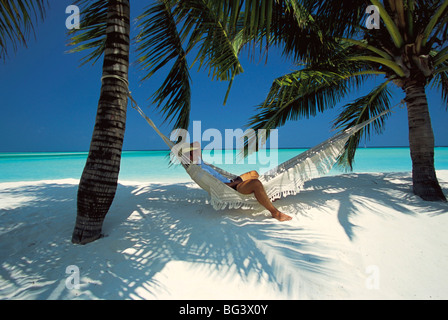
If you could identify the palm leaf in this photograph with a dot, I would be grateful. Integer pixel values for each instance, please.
(159, 43)
(272, 23)
(92, 33)
(363, 109)
(366, 46)
(441, 56)
(301, 94)
(206, 28)
(342, 18)
(17, 22)
(392, 65)
(440, 32)
(410, 10)
(440, 81)
(394, 32)
(289, 25)
(306, 92)
(295, 30)
(441, 12)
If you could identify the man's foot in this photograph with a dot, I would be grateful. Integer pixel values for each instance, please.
(281, 216)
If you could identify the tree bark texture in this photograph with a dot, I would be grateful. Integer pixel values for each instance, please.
(421, 142)
(99, 179)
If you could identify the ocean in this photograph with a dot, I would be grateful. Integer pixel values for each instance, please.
(154, 166)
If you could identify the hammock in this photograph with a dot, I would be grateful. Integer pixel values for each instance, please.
(285, 179)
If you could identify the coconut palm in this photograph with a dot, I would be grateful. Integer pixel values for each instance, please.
(105, 29)
(409, 50)
(17, 22)
(325, 38)
(335, 52)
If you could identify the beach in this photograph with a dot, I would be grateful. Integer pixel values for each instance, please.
(103, 90)
(85, 83)
(353, 236)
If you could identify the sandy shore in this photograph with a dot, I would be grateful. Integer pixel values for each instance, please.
(353, 236)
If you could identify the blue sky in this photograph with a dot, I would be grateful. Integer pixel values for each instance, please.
(49, 103)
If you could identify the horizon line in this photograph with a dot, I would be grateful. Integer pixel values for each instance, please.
(143, 150)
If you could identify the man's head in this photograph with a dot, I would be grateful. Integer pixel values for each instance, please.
(195, 153)
(187, 153)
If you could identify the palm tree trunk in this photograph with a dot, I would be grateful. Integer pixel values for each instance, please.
(421, 142)
(99, 179)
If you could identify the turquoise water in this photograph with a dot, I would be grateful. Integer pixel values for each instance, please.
(153, 166)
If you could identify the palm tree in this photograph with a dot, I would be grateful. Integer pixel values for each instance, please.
(106, 30)
(325, 38)
(409, 50)
(336, 53)
(17, 21)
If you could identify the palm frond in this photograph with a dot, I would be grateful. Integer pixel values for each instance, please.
(301, 94)
(342, 18)
(158, 44)
(440, 81)
(363, 109)
(361, 44)
(440, 34)
(390, 24)
(206, 28)
(92, 33)
(17, 22)
(290, 25)
(441, 12)
(249, 16)
(388, 63)
(441, 56)
(306, 92)
(301, 36)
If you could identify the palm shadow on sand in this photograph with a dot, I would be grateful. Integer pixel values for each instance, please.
(150, 226)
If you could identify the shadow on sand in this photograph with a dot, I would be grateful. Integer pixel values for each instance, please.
(150, 226)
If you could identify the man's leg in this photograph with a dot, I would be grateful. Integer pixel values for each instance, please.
(250, 175)
(256, 187)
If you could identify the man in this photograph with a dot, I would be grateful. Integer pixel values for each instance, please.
(246, 183)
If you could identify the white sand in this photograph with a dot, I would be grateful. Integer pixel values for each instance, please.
(355, 236)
